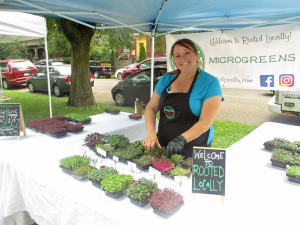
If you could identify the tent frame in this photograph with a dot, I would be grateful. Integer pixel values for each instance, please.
(47, 63)
(153, 26)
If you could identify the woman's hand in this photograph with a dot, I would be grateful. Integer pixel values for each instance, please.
(150, 141)
(150, 118)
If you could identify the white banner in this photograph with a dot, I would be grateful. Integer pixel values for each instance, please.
(265, 58)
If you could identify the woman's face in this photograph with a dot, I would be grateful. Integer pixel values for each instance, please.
(185, 59)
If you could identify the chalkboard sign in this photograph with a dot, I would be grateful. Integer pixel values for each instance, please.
(208, 171)
(11, 119)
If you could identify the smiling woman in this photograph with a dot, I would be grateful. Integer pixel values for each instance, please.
(188, 100)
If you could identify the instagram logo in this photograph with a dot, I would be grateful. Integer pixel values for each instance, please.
(286, 80)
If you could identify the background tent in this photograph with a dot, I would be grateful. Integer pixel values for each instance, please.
(17, 26)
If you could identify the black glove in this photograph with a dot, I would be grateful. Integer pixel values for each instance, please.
(175, 146)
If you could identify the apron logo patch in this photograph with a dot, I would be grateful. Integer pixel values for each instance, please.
(169, 111)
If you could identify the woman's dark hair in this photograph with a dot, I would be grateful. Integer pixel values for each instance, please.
(186, 43)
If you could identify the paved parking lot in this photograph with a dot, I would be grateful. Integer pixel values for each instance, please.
(244, 106)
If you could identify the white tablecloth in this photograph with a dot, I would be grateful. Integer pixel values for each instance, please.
(256, 192)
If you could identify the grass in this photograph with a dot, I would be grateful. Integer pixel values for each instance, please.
(35, 107)
(229, 132)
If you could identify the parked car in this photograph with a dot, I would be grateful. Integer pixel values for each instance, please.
(60, 80)
(136, 86)
(52, 62)
(15, 72)
(98, 69)
(158, 61)
(120, 71)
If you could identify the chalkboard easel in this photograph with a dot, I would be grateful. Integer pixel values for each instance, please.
(11, 120)
(208, 171)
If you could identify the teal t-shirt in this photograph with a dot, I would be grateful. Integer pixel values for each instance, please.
(206, 86)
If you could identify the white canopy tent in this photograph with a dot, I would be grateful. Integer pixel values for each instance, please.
(17, 26)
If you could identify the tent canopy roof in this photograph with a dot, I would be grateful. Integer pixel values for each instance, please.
(165, 16)
(16, 26)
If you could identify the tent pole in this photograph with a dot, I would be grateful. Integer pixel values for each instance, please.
(48, 76)
(152, 65)
(1, 78)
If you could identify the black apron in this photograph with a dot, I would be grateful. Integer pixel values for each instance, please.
(176, 117)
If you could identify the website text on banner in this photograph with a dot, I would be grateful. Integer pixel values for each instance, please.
(264, 58)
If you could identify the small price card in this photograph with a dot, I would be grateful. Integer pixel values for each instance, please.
(153, 172)
(179, 179)
(115, 158)
(102, 152)
(131, 166)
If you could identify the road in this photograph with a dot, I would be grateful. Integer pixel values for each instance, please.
(244, 106)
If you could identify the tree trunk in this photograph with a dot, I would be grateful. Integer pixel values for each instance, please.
(79, 36)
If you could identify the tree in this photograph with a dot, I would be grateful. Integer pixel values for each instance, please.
(13, 50)
(112, 58)
(142, 54)
(57, 41)
(106, 40)
(79, 36)
(160, 43)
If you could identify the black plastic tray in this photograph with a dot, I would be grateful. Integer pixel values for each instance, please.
(98, 185)
(65, 170)
(79, 176)
(294, 179)
(125, 160)
(115, 194)
(278, 164)
(172, 176)
(146, 167)
(98, 154)
(57, 135)
(75, 131)
(138, 203)
(134, 118)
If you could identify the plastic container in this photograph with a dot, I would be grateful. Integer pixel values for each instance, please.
(138, 105)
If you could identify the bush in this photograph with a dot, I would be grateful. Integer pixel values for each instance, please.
(293, 171)
(281, 155)
(94, 139)
(77, 117)
(117, 140)
(179, 171)
(112, 58)
(115, 182)
(144, 160)
(98, 175)
(295, 159)
(174, 159)
(188, 162)
(277, 143)
(142, 54)
(75, 162)
(162, 164)
(129, 153)
(105, 147)
(165, 200)
(141, 190)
